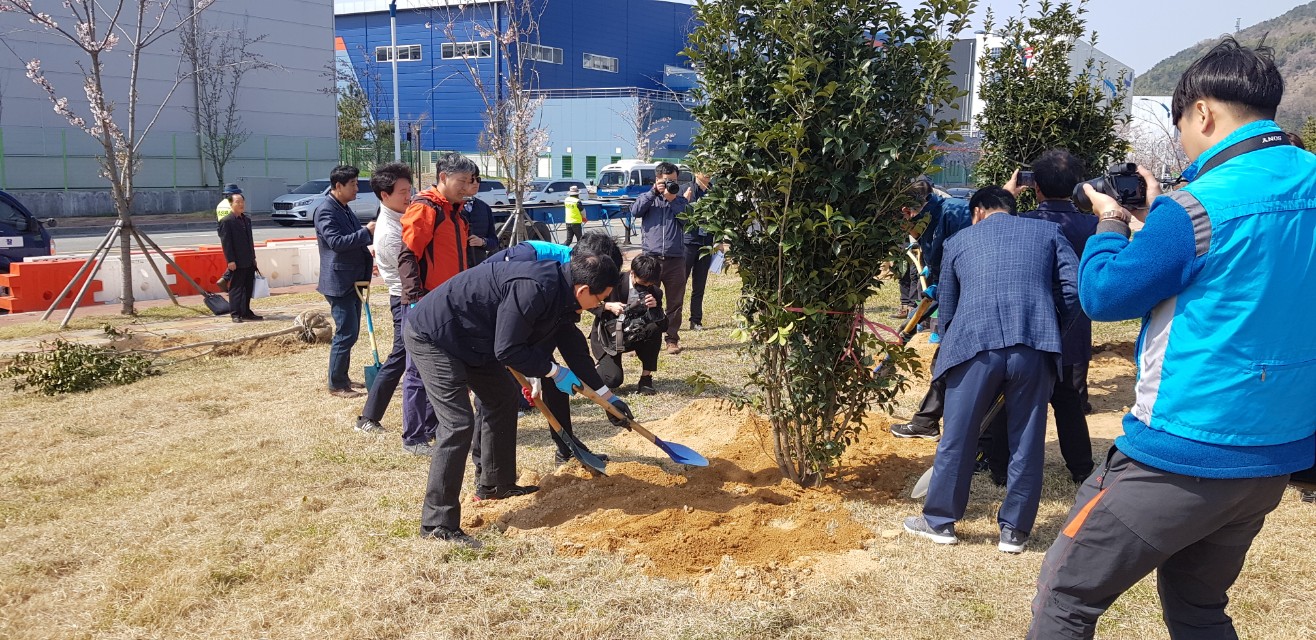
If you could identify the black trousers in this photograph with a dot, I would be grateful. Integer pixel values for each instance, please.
(910, 295)
(390, 373)
(241, 284)
(574, 232)
(696, 273)
(929, 412)
(447, 380)
(610, 369)
(1130, 519)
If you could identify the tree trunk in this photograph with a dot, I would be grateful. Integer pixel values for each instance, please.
(125, 259)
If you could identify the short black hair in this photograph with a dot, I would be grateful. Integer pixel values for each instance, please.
(1057, 171)
(453, 162)
(343, 174)
(1232, 73)
(597, 243)
(993, 198)
(647, 268)
(386, 176)
(665, 168)
(599, 273)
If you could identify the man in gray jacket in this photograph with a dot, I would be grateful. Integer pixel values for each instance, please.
(664, 238)
(392, 185)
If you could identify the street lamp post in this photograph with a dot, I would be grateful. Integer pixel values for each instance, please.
(393, 29)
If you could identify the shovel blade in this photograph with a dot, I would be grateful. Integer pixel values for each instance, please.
(921, 487)
(371, 370)
(579, 452)
(681, 454)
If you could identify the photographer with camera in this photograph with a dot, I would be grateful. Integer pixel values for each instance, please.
(632, 320)
(658, 211)
(1224, 409)
(1054, 175)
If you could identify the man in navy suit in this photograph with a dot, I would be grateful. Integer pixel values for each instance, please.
(1008, 288)
(344, 260)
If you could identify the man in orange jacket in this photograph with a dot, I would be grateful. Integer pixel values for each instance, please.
(435, 243)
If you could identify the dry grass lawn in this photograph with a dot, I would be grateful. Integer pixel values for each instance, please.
(230, 498)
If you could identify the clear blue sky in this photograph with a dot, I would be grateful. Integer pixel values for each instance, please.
(1141, 33)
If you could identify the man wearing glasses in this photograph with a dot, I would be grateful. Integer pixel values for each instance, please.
(465, 335)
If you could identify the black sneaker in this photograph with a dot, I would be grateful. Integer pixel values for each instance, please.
(1012, 541)
(422, 449)
(366, 425)
(559, 459)
(918, 526)
(450, 535)
(645, 386)
(251, 317)
(911, 430)
(696, 326)
(506, 491)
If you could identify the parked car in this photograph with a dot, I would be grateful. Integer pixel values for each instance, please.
(297, 207)
(630, 178)
(22, 235)
(552, 191)
(961, 192)
(493, 193)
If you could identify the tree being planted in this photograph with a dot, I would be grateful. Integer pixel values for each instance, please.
(1037, 96)
(816, 116)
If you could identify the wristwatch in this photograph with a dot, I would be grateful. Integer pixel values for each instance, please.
(1116, 214)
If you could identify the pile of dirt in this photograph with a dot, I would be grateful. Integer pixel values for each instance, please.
(738, 516)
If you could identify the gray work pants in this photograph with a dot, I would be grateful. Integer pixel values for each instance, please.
(446, 380)
(1130, 519)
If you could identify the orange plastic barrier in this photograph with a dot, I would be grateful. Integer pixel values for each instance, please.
(32, 286)
(205, 266)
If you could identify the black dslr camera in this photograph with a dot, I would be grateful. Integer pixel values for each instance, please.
(1121, 182)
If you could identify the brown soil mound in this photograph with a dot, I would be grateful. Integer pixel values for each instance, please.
(684, 521)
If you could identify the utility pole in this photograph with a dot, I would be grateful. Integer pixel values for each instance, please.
(393, 29)
(1237, 25)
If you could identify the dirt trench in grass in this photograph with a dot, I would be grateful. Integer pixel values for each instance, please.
(737, 518)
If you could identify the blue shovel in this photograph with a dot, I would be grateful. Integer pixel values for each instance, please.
(677, 452)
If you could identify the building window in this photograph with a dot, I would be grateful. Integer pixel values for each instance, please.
(600, 63)
(591, 167)
(567, 166)
(478, 49)
(614, 160)
(406, 53)
(539, 53)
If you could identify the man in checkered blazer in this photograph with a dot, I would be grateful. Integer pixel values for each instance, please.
(1008, 289)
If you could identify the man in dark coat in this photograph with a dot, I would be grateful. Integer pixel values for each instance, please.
(345, 259)
(1008, 289)
(240, 253)
(463, 338)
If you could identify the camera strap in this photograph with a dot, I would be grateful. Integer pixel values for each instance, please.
(1247, 145)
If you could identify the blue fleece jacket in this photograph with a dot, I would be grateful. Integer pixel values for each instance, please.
(1218, 275)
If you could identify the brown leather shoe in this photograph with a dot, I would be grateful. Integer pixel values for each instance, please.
(673, 348)
(357, 385)
(345, 393)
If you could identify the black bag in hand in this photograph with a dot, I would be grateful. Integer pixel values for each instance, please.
(217, 304)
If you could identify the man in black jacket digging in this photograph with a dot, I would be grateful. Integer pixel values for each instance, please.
(465, 335)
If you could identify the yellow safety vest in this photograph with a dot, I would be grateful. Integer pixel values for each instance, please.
(573, 210)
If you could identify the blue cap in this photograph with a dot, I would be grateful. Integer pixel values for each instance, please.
(232, 190)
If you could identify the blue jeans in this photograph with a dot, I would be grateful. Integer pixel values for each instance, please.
(346, 311)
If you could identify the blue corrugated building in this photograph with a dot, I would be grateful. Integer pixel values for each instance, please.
(593, 61)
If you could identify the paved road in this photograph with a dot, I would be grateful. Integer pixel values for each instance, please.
(181, 239)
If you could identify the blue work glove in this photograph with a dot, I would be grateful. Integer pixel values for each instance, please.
(926, 272)
(411, 306)
(564, 379)
(624, 409)
(931, 292)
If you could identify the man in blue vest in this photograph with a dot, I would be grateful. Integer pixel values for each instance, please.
(1224, 410)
